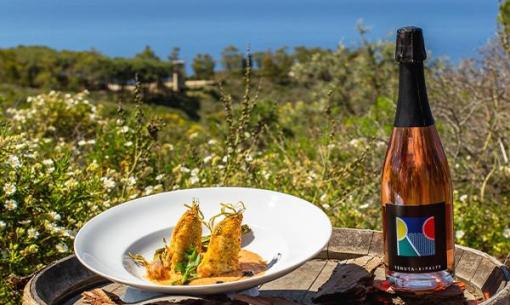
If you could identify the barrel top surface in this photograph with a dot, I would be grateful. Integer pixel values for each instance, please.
(349, 249)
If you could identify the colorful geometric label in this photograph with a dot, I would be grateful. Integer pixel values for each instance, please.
(415, 236)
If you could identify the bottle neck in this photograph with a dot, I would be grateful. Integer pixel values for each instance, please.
(413, 108)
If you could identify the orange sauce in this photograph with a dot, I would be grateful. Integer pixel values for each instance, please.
(251, 264)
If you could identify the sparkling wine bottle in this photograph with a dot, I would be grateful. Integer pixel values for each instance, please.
(416, 188)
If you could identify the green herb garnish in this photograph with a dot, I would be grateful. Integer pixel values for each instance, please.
(138, 259)
(188, 266)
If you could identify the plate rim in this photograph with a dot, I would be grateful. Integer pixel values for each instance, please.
(210, 288)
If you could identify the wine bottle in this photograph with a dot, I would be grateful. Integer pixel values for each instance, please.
(416, 188)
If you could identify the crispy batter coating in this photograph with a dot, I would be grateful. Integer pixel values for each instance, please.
(222, 255)
(186, 235)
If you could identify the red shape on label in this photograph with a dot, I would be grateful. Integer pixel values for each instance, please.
(429, 228)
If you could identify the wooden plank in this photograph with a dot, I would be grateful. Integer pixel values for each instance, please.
(295, 285)
(349, 243)
(483, 272)
(323, 276)
(377, 244)
(458, 255)
(467, 266)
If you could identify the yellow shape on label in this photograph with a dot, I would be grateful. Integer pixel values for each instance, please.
(401, 229)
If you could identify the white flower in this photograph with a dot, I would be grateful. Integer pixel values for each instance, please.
(47, 162)
(68, 233)
(128, 144)
(195, 172)
(32, 233)
(24, 222)
(459, 234)
(14, 161)
(61, 247)
(225, 159)
(11, 204)
(82, 143)
(2, 225)
(331, 146)
(326, 206)
(212, 142)
(323, 197)
(184, 169)
(364, 206)
(356, 142)
(148, 190)
(91, 142)
(248, 158)
(9, 189)
(207, 159)
(160, 177)
(108, 183)
(131, 181)
(463, 198)
(506, 233)
(133, 196)
(247, 135)
(50, 226)
(49, 165)
(55, 216)
(194, 180)
(124, 129)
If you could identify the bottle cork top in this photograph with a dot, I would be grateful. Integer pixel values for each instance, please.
(410, 45)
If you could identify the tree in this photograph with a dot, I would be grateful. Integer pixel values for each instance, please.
(147, 54)
(174, 54)
(257, 59)
(232, 59)
(268, 67)
(203, 66)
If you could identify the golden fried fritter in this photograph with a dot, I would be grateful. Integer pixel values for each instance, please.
(186, 235)
(222, 255)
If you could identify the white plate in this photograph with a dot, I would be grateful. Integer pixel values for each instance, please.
(287, 231)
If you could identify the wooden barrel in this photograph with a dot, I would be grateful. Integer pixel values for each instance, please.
(486, 279)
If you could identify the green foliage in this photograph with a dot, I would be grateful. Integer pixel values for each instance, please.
(504, 23)
(147, 54)
(232, 59)
(203, 66)
(174, 54)
(41, 67)
(188, 267)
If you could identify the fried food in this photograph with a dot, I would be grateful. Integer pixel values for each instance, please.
(186, 236)
(222, 255)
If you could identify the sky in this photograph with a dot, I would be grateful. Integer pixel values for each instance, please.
(452, 28)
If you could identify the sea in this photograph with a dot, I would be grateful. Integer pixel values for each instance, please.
(455, 29)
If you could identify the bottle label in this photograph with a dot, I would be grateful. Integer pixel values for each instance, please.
(416, 237)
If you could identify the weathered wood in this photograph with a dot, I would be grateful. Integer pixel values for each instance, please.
(348, 282)
(62, 282)
(349, 243)
(295, 285)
